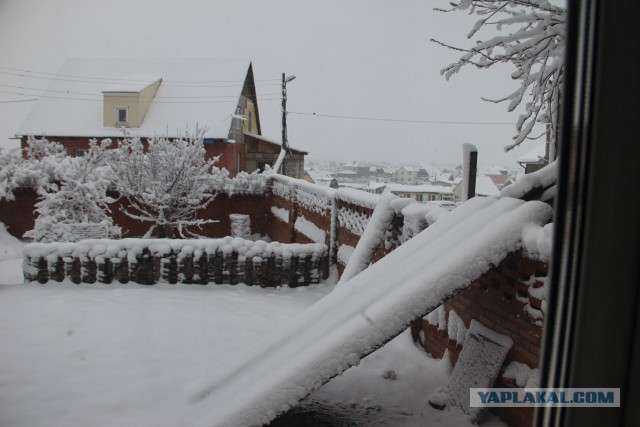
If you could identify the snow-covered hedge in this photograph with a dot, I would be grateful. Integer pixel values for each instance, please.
(148, 261)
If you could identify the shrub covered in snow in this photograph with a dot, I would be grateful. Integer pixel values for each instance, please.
(42, 163)
(80, 197)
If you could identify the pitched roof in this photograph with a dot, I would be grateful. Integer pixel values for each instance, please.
(537, 155)
(194, 93)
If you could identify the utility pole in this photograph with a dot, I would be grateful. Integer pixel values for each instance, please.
(285, 142)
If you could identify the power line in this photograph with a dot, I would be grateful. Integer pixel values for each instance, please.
(100, 100)
(129, 83)
(379, 119)
(148, 97)
(137, 81)
(18, 100)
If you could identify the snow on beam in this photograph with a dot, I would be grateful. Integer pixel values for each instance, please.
(366, 312)
(373, 235)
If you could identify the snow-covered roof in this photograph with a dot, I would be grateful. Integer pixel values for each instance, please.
(132, 84)
(537, 155)
(496, 170)
(319, 175)
(274, 142)
(485, 186)
(408, 168)
(194, 93)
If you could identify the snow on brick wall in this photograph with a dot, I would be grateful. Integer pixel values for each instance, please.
(309, 229)
(344, 253)
(280, 213)
(509, 299)
(281, 189)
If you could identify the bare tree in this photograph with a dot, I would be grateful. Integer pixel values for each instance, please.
(165, 182)
(534, 43)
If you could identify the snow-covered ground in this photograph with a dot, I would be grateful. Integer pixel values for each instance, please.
(134, 355)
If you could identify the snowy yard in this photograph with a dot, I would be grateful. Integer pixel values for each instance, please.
(135, 355)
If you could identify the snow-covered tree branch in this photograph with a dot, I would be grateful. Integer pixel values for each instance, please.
(40, 165)
(165, 182)
(534, 42)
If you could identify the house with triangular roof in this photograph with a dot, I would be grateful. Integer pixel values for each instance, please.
(103, 98)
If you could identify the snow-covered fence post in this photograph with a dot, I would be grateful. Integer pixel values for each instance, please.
(121, 270)
(469, 170)
(75, 271)
(293, 213)
(141, 267)
(89, 270)
(333, 234)
(258, 271)
(200, 267)
(105, 270)
(56, 269)
(185, 265)
(233, 268)
(169, 265)
(272, 271)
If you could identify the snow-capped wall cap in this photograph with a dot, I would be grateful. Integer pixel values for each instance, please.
(539, 180)
(468, 148)
(134, 83)
(357, 197)
(417, 211)
(320, 189)
(400, 203)
(537, 240)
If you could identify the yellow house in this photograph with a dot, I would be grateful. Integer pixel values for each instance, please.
(126, 104)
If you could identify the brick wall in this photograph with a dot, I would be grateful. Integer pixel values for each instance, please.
(19, 215)
(501, 300)
(231, 156)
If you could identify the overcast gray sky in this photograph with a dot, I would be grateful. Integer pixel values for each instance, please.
(353, 58)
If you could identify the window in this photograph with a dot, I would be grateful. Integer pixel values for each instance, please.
(81, 152)
(122, 114)
(249, 121)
